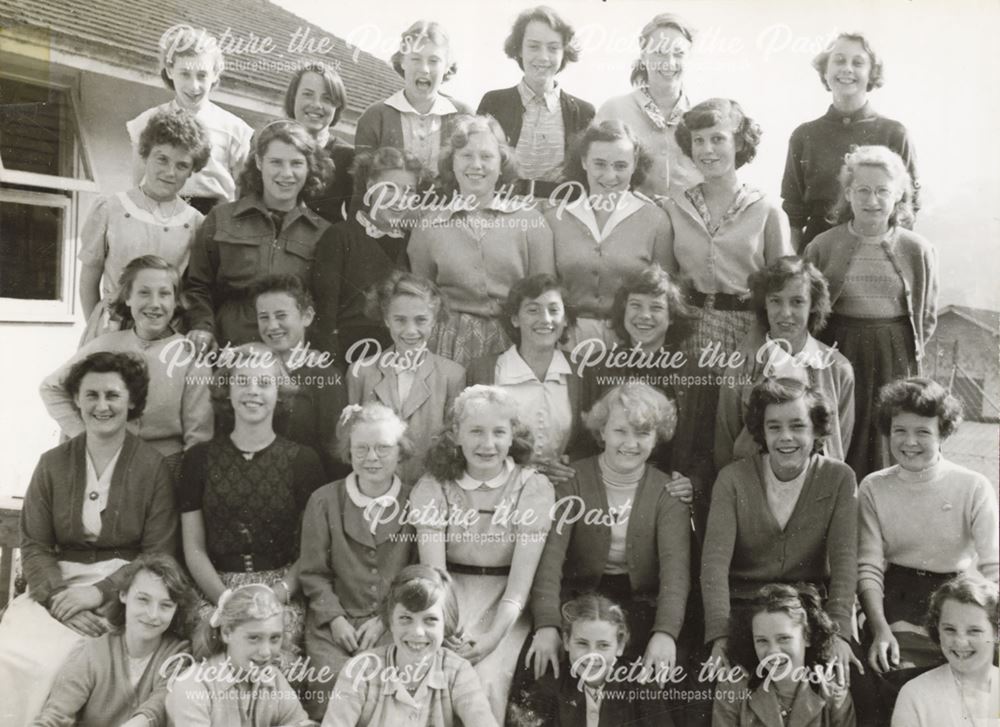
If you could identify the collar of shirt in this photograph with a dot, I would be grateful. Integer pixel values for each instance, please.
(550, 98)
(254, 203)
(862, 114)
(372, 230)
(581, 208)
(653, 112)
(362, 500)
(500, 204)
(442, 106)
(512, 369)
(433, 679)
(469, 484)
(785, 366)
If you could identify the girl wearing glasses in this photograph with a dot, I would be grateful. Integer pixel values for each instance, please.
(354, 543)
(883, 287)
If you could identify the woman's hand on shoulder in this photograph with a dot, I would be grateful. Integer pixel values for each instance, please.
(67, 603)
(680, 487)
(344, 634)
(204, 341)
(88, 623)
(546, 646)
(370, 632)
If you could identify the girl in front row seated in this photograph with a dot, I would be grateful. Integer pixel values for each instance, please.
(415, 679)
(784, 643)
(962, 621)
(240, 683)
(121, 677)
(594, 636)
(353, 543)
(498, 515)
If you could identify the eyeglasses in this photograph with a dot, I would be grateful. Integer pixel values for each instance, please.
(882, 193)
(381, 450)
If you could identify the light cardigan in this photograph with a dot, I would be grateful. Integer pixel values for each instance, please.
(593, 265)
(933, 700)
(745, 549)
(734, 707)
(436, 383)
(752, 239)
(94, 688)
(914, 258)
(451, 694)
(943, 520)
(178, 411)
(475, 272)
(140, 515)
(344, 568)
(657, 547)
(835, 382)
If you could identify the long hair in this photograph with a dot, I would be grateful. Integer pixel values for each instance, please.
(178, 586)
(119, 306)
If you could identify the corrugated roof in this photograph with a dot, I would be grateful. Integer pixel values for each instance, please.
(988, 319)
(126, 33)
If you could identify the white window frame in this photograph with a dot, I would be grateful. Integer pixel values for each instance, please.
(62, 309)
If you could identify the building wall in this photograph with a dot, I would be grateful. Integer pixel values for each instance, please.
(32, 350)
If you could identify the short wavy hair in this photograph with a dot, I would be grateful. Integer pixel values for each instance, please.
(803, 605)
(371, 413)
(178, 586)
(445, 459)
(183, 40)
(639, 75)
(232, 359)
(119, 306)
(379, 296)
(282, 283)
(331, 80)
(129, 366)
(180, 129)
(780, 391)
(462, 128)
(370, 165)
(970, 588)
(514, 44)
(746, 133)
(528, 289)
(610, 130)
(418, 587)
(655, 281)
(645, 407)
(876, 77)
(884, 158)
(920, 396)
(293, 133)
(776, 276)
(248, 602)
(424, 30)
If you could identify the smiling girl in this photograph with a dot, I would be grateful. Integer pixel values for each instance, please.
(178, 411)
(883, 288)
(150, 219)
(237, 682)
(120, 678)
(492, 551)
(784, 515)
(416, 118)
(850, 69)
(268, 230)
(962, 621)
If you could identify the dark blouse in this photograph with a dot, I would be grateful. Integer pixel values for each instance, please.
(250, 505)
(310, 415)
(348, 262)
(816, 152)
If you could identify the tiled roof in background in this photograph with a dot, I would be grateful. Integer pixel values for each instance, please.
(126, 33)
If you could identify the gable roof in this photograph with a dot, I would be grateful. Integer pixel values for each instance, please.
(986, 319)
(126, 33)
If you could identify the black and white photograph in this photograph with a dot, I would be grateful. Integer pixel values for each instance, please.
(577, 364)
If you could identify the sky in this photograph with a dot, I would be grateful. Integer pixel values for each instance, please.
(942, 82)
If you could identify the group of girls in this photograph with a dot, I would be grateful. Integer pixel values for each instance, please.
(511, 388)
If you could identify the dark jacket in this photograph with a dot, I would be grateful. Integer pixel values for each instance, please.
(506, 107)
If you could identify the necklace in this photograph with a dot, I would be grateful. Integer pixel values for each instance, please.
(155, 208)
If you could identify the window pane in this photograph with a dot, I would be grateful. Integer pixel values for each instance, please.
(36, 129)
(31, 250)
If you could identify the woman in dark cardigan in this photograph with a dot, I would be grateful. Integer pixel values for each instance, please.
(540, 119)
(94, 503)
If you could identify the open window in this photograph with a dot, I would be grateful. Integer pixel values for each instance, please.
(44, 165)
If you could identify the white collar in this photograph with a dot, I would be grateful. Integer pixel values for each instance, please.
(441, 107)
(373, 230)
(550, 98)
(581, 208)
(467, 483)
(791, 365)
(512, 369)
(363, 501)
